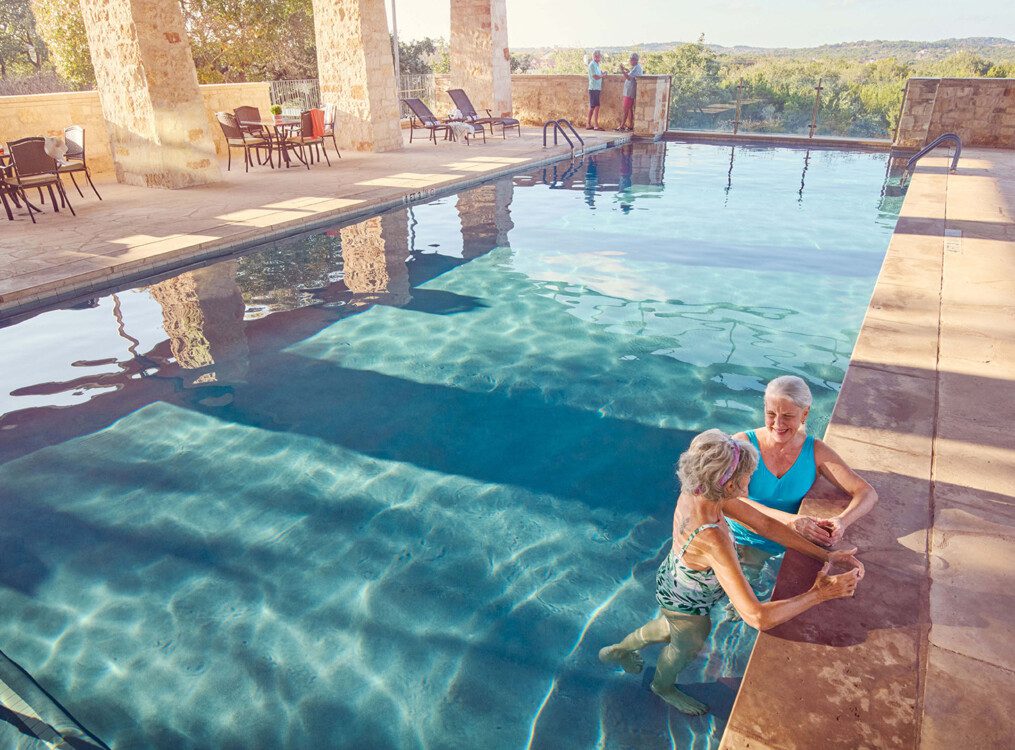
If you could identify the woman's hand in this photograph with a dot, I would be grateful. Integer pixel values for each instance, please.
(835, 528)
(847, 558)
(812, 530)
(835, 587)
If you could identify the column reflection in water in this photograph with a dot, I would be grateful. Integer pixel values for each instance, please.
(485, 213)
(374, 253)
(202, 314)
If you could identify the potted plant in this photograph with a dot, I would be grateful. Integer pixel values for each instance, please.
(276, 110)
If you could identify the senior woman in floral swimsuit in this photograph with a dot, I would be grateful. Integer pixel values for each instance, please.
(702, 566)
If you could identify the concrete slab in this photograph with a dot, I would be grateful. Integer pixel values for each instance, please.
(967, 704)
(135, 230)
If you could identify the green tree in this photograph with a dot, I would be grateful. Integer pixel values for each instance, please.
(62, 27)
(22, 50)
(522, 63)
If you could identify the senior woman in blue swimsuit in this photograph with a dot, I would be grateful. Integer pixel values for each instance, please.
(702, 566)
(790, 462)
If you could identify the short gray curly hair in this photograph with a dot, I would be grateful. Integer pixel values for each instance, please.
(703, 464)
(791, 387)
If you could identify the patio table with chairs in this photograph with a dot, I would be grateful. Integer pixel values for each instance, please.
(302, 136)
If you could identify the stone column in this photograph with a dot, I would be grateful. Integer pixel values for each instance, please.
(374, 254)
(480, 59)
(917, 111)
(485, 213)
(147, 84)
(652, 106)
(202, 313)
(356, 72)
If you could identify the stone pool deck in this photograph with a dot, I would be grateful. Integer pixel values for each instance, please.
(136, 232)
(924, 655)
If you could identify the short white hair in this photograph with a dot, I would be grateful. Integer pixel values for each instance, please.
(791, 387)
(702, 466)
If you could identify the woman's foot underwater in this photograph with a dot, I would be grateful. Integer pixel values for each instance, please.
(631, 661)
(681, 701)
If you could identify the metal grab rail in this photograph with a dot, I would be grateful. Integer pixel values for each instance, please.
(556, 129)
(562, 122)
(933, 145)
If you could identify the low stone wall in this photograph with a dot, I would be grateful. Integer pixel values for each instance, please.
(49, 114)
(538, 98)
(980, 110)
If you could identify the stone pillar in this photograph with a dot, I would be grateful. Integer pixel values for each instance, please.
(374, 254)
(916, 113)
(485, 213)
(202, 313)
(652, 106)
(154, 112)
(356, 73)
(480, 59)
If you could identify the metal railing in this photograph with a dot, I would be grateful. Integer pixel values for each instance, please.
(417, 86)
(815, 107)
(295, 95)
(954, 138)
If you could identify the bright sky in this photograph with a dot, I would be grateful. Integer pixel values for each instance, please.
(760, 23)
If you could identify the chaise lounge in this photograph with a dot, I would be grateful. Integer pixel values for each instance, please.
(469, 114)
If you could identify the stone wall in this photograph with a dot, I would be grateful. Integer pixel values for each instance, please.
(980, 110)
(538, 98)
(48, 114)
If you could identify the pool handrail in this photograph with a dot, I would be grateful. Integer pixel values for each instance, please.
(933, 145)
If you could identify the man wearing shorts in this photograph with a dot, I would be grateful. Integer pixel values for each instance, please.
(630, 88)
(596, 77)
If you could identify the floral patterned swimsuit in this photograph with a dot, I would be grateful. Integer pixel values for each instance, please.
(685, 590)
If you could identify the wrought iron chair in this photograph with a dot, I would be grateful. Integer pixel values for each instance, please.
(236, 137)
(74, 137)
(34, 168)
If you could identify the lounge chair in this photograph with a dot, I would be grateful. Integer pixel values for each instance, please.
(237, 137)
(469, 114)
(427, 120)
(34, 168)
(74, 138)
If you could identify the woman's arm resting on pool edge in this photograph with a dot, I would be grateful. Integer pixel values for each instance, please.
(765, 615)
(863, 497)
(806, 526)
(782, 534)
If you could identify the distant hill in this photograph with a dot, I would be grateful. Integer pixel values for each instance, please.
(993, 48)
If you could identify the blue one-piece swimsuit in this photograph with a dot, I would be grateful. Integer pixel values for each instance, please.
(783, 493)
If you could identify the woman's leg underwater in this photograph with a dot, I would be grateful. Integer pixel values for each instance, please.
(626, 653)
(687, 636)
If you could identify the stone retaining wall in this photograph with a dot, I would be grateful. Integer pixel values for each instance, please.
(49, 114)
(538, 98)
(980, 110)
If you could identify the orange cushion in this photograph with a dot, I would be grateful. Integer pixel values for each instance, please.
(317, 117)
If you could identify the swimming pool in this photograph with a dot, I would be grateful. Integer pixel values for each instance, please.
(394, 484)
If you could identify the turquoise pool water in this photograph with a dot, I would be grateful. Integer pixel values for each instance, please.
(393, 485)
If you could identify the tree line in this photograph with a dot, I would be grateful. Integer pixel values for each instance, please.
(44, 46)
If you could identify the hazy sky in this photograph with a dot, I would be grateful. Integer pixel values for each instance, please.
(761, 23)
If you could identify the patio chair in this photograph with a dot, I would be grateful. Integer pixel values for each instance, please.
(427, 120)
(236, 137)
(330, 115)
(310, 136)
(34, 168)
(74, 137)
(469, 114)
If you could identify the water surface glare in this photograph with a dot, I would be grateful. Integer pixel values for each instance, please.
(394, 484)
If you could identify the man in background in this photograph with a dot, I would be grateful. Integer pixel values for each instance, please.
(596, 77)
(630, 90)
